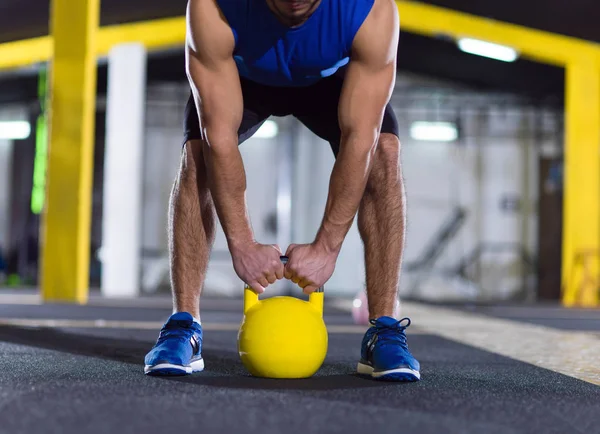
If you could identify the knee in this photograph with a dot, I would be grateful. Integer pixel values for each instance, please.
(387, 153)
(192, 162)
(386, 163)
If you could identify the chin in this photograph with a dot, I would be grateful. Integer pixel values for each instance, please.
(295, 10)
(296, 15)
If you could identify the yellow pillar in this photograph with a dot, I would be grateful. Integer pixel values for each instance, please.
(581, 227)
(65, 241)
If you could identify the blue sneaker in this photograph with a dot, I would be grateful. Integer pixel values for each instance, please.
(385, 354)
(178, 350)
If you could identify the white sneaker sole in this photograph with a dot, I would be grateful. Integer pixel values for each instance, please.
(398, 373)
(170, 369)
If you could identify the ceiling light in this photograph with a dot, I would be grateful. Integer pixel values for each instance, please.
(488, 49)
(14, 130)
(268, 130)
(434, 131)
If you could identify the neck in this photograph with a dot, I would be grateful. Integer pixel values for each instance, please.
(292, 21)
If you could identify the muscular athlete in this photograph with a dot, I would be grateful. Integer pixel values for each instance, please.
(332, 65)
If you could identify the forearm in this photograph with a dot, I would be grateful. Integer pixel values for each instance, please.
(347, 185)
(214, 80)
(227, 184)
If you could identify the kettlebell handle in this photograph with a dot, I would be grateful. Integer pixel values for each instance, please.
(315, 298)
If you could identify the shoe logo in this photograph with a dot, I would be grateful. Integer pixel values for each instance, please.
(195, 344)
(371, 346)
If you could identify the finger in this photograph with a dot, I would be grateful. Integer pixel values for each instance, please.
(276, 247)
(288, 271)
(279, 271)
(271, 278)
(256, 287)
(263, 282)
(310, 289)
(295, 279)
(290, 248)
(303, 283)
(289, 268)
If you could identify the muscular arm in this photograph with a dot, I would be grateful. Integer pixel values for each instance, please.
(368, 85)
(214, 79)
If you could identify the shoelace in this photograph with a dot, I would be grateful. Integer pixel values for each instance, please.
(392, 333)
(175, 329)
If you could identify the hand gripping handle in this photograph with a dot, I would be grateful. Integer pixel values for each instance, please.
(315, 299)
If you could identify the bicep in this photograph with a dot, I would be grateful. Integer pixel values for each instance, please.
(212, 72)
(218, 98)
(365, 94)
(371, 73)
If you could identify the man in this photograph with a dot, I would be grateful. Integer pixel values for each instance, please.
(332, 65)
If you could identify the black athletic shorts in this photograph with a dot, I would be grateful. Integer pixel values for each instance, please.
(316, 106)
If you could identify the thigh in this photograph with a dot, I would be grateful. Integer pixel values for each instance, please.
(318, 111)
(255, 113)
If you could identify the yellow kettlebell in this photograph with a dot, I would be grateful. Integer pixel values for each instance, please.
(282, 337)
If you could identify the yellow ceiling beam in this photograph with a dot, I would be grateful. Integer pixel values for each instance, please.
(27, 52)
(155, 35)
(544, 47)
(415, 17)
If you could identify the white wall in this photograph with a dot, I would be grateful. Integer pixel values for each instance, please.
(6, 147)
(495, 159)
(7, 113)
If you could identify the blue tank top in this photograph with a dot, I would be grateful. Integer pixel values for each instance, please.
(269, 52)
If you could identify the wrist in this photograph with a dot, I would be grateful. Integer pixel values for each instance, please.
(240, 242)
(329, 240)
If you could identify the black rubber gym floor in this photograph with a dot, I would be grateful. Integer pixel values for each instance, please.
(91, 381)
(545, 315)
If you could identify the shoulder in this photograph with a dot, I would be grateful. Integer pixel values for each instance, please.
(377, 38)
(208, 30)
(383, 13)
(206, 11)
